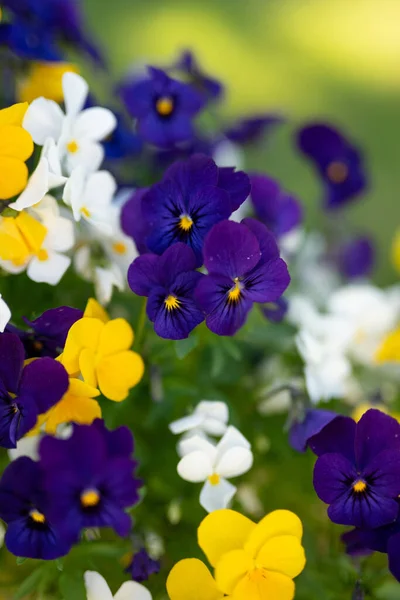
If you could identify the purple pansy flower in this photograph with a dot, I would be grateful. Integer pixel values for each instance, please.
(89, 479)
(358, 469)
(356, 257)
(251, 129)
(132, 221)
(310, 423)
(192, 197)
(275, 311)
(279, 211)
(142, 566)
(244, 267)
(169, 282)
(164, 107)
(49, 331)
(210, 87)
(25, 392)
(23, 506)
(338, 162)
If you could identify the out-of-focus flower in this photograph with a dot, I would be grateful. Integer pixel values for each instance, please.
(5, 314)
(358, 469)
(357, 257)
(23, 506)
(16, 147)
(389, 350)
(100, 350)
(251, 561)
(308, 424)
(123, 142)
(169, 282)
(244, 267)
(78, 132)
(188, 65)
(132, 220)
(44, 79)
(279, 211)
(97, 589)
(251, 130)
(275, 311)
(210, 417)
(338, 163)
(164, 107)
(142, 566)
(29, 41)
(203, 461)
(90, 480)
(25, 392)
(396, 250)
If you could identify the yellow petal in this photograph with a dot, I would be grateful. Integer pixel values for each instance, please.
(94, 310)
(264, 586)
(276, 523)
(84, 333)
(12, 245)
(283, 554)
(82, 389)
(396, 250)
(13, 115)
(117, 336)
(191, 580)
(222, 531)
(72, 409)
(44, 79)
(33, 232)
(117, 374)
(87, 366)
(231, 568)
(13, 177)
(15, 142)
(389, 351)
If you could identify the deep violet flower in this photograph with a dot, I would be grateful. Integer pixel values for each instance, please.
(244, 267)
(169, 282)
(142, 566)
(188, 65)
(357, 257)
(358, 469)
(251, 129)
(275, 311)
(309, 423)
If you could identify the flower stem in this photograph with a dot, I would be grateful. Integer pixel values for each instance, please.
(141, 324)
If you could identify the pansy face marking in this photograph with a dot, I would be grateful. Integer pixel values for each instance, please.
(359, 486)
(90, 498)
(37, 517)
(337, 171)
(235, 292)
(165, 106)
(172, 303)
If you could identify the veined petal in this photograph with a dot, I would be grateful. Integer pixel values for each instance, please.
(223, 531)
(231, 568)
(13, 177)
(216, 496)
(276, 523)
(94, 123)
(43, 119)
(195, 467)
(283, 554)
(118, 373)
(15, 142)
(75, 91)
(190, 578)
(259, 586)
(116, 336)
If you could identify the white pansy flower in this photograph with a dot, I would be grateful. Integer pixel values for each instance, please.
(5, 314)
(215, 464)
(118, 247)
(90, 196)
(77, 132)
(97, 589)
(208, 418)
(105, 280)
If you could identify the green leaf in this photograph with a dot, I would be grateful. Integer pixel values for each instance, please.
(184, 347)
(29, 584)
(20, 560)
(72, 586)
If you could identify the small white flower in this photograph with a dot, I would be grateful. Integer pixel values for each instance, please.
(105, 279)
(214, 464)
(5, 314)
(90, 196)
(78, 132)
(97, 589)
(209, 417)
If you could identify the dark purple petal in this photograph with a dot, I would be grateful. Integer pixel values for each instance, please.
(142, 274)
(251, 129)
(338, 436)
(383, 470)
(176, 259)
(236, 183)
(18, 486)
(363, 510)
(290, 215)
(30, 540)
(133, 222)
(357, 257)
(393, 550)
(322, 143)
(314, 421)
(267, 281)
(142, 566)
(196, 172)
(275, 311)
(119, 441)
(332, 472)
(268, 245)
(356, 542)
(137, 97)
(55, 323)
(231, 249)
(12, 357)
(46, 381)
(375, 432)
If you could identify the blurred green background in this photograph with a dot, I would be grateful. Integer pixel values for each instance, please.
(328, 59)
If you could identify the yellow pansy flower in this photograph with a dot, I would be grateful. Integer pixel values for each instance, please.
(396, 250)
(16, 146)
(389, 350)
(99, 349)
(21, 238)
(251, 561)
(45, 79)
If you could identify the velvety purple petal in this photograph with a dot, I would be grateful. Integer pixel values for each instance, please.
(363, 510)
(17, 488)
(119, 441)
(290, 215)
(40, 541)
(142, 566)
(383, 470)
(357, 257)
(196, 172)
(142, 274)
(314, 421)
(231, 249)
(138, 97)
(393, 550)
(46, 381)
(267, 281)
(55, 323)
(17, 417)
(356, 542)
(268, 245)
(375, 432)
(321, 142)
(176, 259)
(337, 436)
(236, 183)
(12, 357)
(332, 472)
(190, 100)
(133, 222)
(265, 196)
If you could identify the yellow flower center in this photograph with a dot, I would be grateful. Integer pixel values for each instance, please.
(185, 223)
(359, 486)
(43, 255)
(85, 212)
(172, 303)
(165, 106)
(37, 516)
(257, 574)
(72, 147)
(214, 479)
(90, 498)
(337, 172)
(119, 248)
(235, 292)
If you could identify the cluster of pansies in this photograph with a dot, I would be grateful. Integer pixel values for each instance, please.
(140, 196)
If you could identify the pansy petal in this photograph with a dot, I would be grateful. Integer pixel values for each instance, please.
(12, 355)
(96, 586)
(87, 366)
(216, 496)
(268, 281)
(235, 462)
(231, 249)
(336, 436)
(190, 578)
(116, 336)
(118, 373)
(36, 188)
(375, 432)
(231, 568)
(50, 270)
(331, 475)
(186, 423)
(13, 177)
(75, 90)
(393, 550)
(367, 511)
(223, 531)
(94, 124)
(273, 586)
(141, 274)
(283, 554)
(275, 524)
(132, 590)
(43, 120)
(13, 115)
(195, 467)
(72, 409)
(85, 333)
(384, 470)
(46, 381)
(15, 142)
(268, 245)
